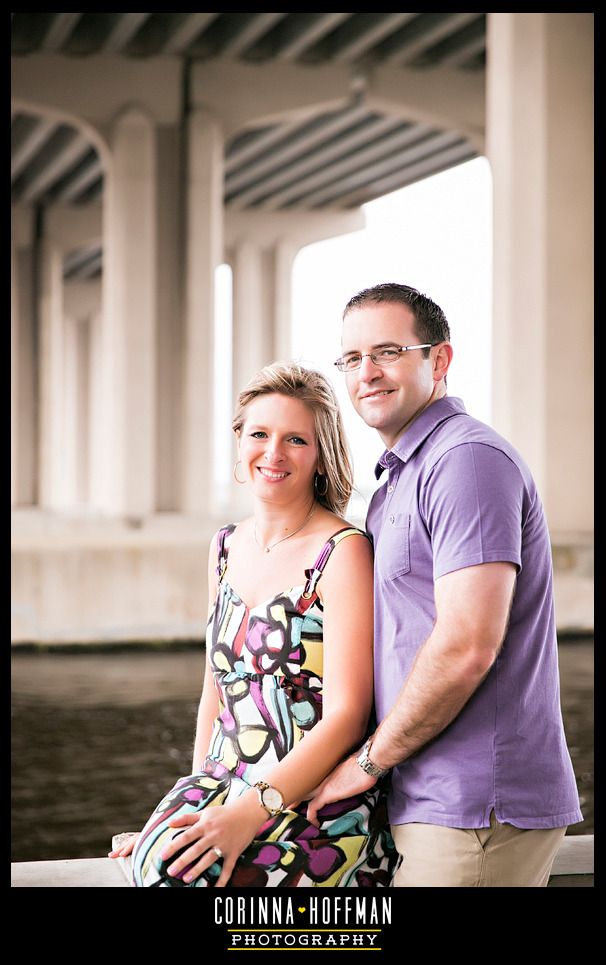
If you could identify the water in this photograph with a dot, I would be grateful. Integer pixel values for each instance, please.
(98, 738)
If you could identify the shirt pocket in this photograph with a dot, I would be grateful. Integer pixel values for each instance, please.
(393, 555)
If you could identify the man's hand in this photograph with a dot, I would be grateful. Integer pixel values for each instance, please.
(347, 780)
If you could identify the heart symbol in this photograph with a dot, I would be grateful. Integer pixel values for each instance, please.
(301, 910)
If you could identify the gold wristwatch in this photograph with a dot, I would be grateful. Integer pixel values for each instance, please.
(269, 798)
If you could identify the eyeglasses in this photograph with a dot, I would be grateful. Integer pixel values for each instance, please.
(383, 356)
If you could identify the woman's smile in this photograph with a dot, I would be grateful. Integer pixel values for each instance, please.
(275, 475)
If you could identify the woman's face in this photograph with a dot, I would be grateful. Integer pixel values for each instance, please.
(278, 448)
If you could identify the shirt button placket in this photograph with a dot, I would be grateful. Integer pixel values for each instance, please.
(391, 485)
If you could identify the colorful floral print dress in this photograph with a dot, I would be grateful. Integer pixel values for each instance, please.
(267, 667)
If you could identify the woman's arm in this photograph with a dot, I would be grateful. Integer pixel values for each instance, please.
(346, 590)
(348, 691)
(208, 707)
(209, 701)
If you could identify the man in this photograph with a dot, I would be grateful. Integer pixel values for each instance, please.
(466, 670)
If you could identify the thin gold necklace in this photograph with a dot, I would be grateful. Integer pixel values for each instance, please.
(266, 549)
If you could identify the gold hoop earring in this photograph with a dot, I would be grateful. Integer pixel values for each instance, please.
(241, 482)
(317, 477)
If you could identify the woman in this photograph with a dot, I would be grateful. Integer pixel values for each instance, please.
(289, 656)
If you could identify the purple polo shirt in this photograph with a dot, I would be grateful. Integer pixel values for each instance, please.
(458, 494)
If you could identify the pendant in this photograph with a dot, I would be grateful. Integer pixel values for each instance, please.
(267, 549)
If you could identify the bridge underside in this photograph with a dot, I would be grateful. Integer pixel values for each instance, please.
(148, 149)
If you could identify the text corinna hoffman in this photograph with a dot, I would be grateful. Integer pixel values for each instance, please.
(336, 911)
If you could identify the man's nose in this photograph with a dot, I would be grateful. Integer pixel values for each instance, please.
(369, 370)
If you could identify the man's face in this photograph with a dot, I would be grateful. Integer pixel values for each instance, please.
(388, 397)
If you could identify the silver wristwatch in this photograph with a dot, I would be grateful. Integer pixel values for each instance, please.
(367, 765)
(269, 798)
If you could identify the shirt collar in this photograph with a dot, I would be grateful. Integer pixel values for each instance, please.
(421, 428)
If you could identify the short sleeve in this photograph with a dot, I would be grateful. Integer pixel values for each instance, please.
(472, 503)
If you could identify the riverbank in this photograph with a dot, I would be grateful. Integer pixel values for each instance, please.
(101, 736)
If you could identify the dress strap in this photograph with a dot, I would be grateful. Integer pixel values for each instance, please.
(313, 575)
(223, 540)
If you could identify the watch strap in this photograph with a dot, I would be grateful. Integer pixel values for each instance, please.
(368, 766)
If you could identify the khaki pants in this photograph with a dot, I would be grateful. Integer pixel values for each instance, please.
(500, 856)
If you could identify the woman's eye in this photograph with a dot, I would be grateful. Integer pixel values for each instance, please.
(260, 434)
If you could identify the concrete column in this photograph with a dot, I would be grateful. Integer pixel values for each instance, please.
(83, 366)
(515, 139)
(262, 306)
(252, 321)
(204, 253)
(77, 412)
(169, 320)
(539, 143)
(570, 282)
(51, 440)
(23, 388)
(14, 378)
(82, 308)
(98, 414)
(128, 470)
(283, 256)
(280, 235)
(252, 330)
(262, 282)
(71, 403)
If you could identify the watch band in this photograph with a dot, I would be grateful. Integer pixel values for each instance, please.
(367, 765)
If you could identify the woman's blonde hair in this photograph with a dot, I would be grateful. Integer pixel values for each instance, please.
(313, 389)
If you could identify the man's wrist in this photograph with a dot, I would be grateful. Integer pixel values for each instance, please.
(365, 761)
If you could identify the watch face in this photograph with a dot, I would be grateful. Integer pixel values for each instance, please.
(272, 798)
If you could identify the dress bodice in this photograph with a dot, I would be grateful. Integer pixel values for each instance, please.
(267, 666)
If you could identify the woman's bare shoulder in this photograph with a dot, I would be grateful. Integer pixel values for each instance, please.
(332, 525)
(350, 563)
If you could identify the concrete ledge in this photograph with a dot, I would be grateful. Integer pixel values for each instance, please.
(87, 580)
(90, 579)
(572, 868)
(74, 873)
(575, 856)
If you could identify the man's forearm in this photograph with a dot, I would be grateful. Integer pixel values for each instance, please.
(443, 678)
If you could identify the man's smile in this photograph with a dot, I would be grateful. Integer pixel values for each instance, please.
(377, 394)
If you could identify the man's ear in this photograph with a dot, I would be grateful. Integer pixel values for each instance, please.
(442, 360)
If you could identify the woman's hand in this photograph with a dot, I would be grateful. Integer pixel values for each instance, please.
(124, 845)
(230, 828)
